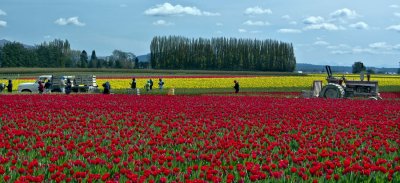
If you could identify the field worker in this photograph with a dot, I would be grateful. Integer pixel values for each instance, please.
(68, 87)
(47, 86)
(62, 84)
(151, 84)
(236, 87)
(9, 86)
(107, 87)
(362, 75)
(133, 84)
(160, 84)
(41, 87)
(147, 85)
(2, 87)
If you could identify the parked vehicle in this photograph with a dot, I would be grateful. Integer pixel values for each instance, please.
(80, 83)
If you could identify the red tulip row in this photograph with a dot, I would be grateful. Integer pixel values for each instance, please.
(127, 138)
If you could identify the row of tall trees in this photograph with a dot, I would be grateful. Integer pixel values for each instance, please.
(176, 52)
(58, 53)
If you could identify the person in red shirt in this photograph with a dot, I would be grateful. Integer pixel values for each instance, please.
(41, 87)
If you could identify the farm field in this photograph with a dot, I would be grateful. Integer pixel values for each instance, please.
(198, 84)
(159, 138)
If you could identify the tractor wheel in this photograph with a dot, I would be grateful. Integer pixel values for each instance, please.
(332, 91)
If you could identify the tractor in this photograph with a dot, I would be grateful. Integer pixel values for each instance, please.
(343, 88)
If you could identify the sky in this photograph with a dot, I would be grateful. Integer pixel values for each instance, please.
(322, 32)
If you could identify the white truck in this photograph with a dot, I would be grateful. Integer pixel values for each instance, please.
(80, 83)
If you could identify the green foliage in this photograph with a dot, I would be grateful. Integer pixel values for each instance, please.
(83, 59)
(93, 60)
(58, 54)
(358, 67)
(15, 55)
(175, 52)
(122, 59)
(136, 63)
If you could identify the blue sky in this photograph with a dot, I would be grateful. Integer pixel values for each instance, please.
(338, 32)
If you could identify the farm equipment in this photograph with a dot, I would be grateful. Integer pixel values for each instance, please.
(343, 88)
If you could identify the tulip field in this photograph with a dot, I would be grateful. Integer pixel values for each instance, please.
(265, 133)
(389, 83)
(161, 138)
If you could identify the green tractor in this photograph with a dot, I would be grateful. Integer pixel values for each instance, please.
(342, 88)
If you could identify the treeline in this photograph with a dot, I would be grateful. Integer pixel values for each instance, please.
(176, 52)
(58, 54)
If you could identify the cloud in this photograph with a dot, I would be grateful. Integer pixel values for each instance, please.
(255, 32)
(340, 46)
(2, 12)
(373, 48)
(289, 31)
(323, 26)
(242, 30)
(313, 20)
(3, 23)
(340, 52)
(359, 25)
(286, 17)
(394, 27)
(206, 13)
(380, 45)
(321, 43)
(168, 9)
(219, 24)
(344, 13)
(358, 50)
(394, 6)
(256, 23)
(162, 23)
(123, 5)
(293, 23)
(257, 11)
(383, 46)
(69, 21)
(396, 14)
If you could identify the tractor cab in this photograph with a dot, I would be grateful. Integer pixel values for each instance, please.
(331, 79)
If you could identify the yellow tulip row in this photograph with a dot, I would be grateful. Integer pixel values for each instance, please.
(245, 82)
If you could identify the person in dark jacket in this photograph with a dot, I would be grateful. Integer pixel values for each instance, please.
(151, 84)
(68, 87)
(47, 86)
(236, 87)
(133, 84)
(107, 87)
(9, 86)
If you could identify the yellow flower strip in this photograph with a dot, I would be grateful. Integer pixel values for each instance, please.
(245, 82)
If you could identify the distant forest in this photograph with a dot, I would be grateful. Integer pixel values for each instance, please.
(172, 52)
(58, 53)
(176, 52)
